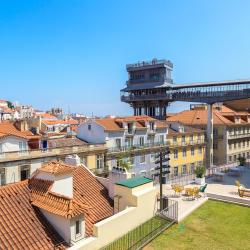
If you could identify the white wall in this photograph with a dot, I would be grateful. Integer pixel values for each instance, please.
(112, 228)
(95, 135)
(61, 224)
(63, 185)
(11, 143)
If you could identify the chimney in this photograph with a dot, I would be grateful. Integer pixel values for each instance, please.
(21, 125)
(117, 174)
(73, 160)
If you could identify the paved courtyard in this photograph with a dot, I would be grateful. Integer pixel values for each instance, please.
(227, 187)
(223, 190)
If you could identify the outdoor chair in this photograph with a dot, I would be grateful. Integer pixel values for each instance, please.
(243, 192)
(202, 189)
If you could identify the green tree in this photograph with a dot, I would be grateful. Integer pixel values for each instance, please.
(10, 105)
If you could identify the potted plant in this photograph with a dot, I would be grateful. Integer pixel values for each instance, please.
(242, 160)
(200, 175)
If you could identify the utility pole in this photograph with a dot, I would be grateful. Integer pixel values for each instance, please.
(163, 170)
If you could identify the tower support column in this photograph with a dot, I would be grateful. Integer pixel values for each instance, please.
(209, 132)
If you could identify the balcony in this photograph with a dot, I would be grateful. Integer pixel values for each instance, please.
(238, 136)
(41, 153)
(125, 97)
(136, 147)
(174, 144)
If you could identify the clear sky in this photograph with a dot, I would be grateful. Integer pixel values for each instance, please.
(72, 53)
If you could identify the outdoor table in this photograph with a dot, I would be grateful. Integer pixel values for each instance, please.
(219, 176)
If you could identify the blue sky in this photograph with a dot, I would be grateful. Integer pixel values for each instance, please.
(73, 53)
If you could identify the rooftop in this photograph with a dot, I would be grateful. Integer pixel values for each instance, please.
(134, 182)
(22, 224)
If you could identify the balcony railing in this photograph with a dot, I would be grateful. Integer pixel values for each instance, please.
(40, 153)
(238, 136)
(137, 147)
(185, 143)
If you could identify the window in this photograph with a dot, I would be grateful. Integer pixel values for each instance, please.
(175, 171)
(1, 148)
(191, 138)
(130, 128)
(22, 146)
(200, 150)
(184, 169)
(192, 168)
(230, 158)
(99, 161)
(24, 172)
(183, 139)
(174, 139)
(118, 143)
(161, 138)
(141, 141)
(89, 126)
(151, 126)
(235, 157)
(142, 158)
(129, 142)
(175, 154)
(200, 163)
(192, 151)
(78, 227)
(2, 177)
(184, 152)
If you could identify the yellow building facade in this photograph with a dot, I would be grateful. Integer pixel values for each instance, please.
(187, 147)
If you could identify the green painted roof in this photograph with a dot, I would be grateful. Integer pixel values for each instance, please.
(134, 182)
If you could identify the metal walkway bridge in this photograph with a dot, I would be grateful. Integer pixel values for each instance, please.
(209, 93)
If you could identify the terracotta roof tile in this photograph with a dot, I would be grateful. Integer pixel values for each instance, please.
(22, 224)
(115, 124)
(8, 128)
(57, 168)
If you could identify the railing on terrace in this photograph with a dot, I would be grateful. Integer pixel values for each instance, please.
(238, 136)
(171, 210)
(185, 179)
(146, 232)
(137, 147)
(186, 143)
(38, 153)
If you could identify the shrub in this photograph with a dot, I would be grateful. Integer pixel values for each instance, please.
(200, 172)
(242, 160)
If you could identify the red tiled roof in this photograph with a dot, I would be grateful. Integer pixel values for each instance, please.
(58, 122)
(114, 124)
(57, 168)
(8, 128)
(22, 225)
(46, 116)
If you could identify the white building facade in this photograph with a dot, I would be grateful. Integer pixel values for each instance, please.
(127, 132)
